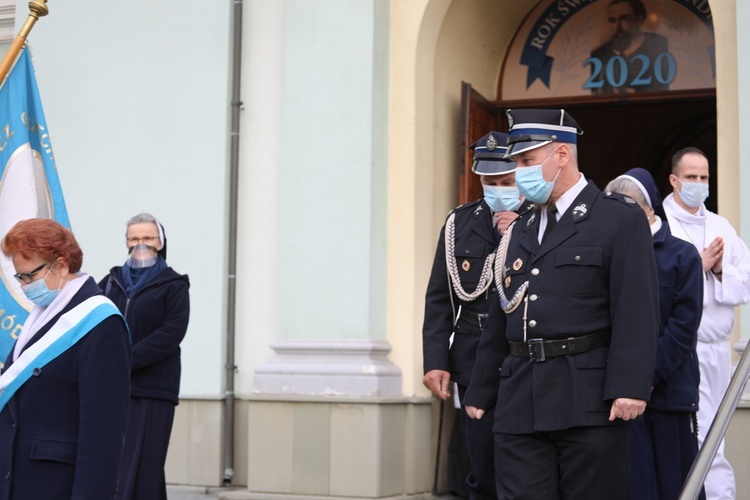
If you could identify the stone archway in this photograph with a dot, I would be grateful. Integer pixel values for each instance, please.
(435, 45)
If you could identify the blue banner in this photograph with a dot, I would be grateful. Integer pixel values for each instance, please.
(29, 184)
(702, 11)
(534, 53)
(548, 24)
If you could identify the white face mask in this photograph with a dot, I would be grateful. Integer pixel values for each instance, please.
(693, 194)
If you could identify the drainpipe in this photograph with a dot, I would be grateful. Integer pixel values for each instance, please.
(232, 265)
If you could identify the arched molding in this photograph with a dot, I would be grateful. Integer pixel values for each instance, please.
(435, 44)
(725, 29)
(452, 41)
(732, 108)
(414, 31)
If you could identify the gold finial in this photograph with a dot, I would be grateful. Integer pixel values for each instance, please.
(37, 8)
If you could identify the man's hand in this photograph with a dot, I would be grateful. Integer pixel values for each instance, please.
(501, 220)
(438, 382)
(712, 256)
(473, 412)
(626, 408)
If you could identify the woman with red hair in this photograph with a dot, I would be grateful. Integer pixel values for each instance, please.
(65, 386)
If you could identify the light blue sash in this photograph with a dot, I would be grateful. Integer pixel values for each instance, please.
(64, 334)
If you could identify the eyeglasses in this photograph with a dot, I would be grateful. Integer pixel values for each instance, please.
(148, 240)
(27, 278)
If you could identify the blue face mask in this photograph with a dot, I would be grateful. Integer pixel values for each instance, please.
(38, 293)
(531, 183)
(693, 194)
(502, 198)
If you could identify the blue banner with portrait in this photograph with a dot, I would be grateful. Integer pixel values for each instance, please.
(29, 184)
(569, 48)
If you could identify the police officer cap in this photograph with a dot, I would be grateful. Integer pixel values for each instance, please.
(490, 155)
(533, 128)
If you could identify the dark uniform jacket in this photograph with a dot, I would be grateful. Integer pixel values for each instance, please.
(474, 241)
(677, 375)
(62, 432)
(594, 272)
(157, 315)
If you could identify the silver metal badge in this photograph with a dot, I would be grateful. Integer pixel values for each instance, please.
(530, 221)
(491, 143)
(629, 200)
(580, 210)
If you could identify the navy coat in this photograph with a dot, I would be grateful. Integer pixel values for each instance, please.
(62, 432)
(677, 376)
(594, 272)
(158, 319)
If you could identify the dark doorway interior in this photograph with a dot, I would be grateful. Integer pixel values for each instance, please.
(619, 134)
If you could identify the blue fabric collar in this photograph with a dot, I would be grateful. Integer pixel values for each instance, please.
(136, 278)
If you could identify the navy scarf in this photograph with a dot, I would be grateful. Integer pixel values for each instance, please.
(136, 278)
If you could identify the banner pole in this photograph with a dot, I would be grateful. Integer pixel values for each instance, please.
(37, 8)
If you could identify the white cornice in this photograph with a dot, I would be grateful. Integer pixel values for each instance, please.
(7, 20)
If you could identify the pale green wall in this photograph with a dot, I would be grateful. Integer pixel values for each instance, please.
(138, 113)
(136, 99)
(743, 105)
(333, 170)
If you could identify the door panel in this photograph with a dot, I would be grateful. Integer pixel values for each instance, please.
(478, 117)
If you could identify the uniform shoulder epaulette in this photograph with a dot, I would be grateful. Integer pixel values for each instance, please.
(627, 200)
(466, 206)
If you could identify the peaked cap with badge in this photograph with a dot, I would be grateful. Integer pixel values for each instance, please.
(490, 155)
(534, 128)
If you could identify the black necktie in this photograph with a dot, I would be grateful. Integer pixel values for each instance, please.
(551, 220)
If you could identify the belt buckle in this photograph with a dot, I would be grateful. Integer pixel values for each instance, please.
(538, 356)
(480, 319)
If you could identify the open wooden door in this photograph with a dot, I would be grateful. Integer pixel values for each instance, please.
(478, 117)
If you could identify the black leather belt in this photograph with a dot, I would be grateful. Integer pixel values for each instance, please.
(472, 318)
(541, 349)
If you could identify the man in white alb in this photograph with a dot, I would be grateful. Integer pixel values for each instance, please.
(726, 281)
